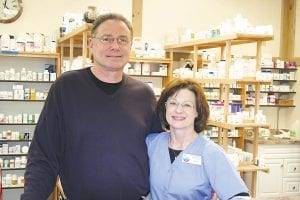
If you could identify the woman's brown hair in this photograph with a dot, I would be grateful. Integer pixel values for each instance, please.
(201, 106)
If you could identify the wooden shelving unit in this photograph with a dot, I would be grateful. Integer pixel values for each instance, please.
(33, 55)
(33, 61)
(79, 39)
(225, 43)
(152, 60)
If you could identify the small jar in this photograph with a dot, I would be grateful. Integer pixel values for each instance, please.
(11, 163)
(90, 15)
(14, 179)
(8, 178)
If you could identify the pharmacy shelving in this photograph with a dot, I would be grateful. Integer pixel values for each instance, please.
(224, 43)
(75, 44)
(14, 109)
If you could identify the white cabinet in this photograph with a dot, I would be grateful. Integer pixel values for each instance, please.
(269, 183)
(283, 178)
(291, 178)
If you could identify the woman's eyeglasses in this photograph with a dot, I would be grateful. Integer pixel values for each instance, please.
(185, 106)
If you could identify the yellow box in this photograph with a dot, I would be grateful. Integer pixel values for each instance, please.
(286, 102)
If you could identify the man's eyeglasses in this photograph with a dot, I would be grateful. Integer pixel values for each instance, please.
(108, 40)
(185, 106)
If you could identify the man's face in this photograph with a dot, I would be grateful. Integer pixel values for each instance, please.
(111, 45)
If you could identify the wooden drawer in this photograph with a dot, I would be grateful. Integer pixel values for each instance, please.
(291, 186)
(291, 168)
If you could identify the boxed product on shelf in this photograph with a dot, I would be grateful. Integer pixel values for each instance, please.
(286, 102)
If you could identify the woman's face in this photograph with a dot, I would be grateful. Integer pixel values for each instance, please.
(181, 110)
(109, 50)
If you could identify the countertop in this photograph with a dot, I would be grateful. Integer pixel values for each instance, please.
(273, 140)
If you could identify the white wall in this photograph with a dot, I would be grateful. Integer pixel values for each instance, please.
(46, 16)
(297, 35)
(160, 17)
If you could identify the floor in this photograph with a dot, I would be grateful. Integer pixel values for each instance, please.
(280, 198)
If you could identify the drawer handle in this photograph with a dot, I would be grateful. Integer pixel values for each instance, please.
(294, 187)
(295, 168)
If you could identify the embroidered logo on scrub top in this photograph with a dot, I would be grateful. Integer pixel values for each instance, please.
(191, 159)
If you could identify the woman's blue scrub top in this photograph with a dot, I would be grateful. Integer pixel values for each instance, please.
(199, 170)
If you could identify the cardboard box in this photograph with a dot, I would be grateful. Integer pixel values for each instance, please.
(286, 102)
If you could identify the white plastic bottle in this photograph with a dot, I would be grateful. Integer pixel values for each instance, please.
(23, 74)
(5, 42)
(46, 75)
(260, 118)
(295, 130)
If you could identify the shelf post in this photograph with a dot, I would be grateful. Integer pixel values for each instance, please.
(195, 58)
(170, 68)
(222, 53)
(71, 50)
(258, 55)
(84, 47)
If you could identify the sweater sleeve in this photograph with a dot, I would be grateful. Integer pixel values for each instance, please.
(156, 126)
(46, 149)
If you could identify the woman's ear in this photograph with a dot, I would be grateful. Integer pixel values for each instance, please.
(90, 43)
(196, 114)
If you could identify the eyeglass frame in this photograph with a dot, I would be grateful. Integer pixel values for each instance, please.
(183, 105)
(111, 40)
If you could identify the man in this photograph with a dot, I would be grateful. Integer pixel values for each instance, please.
(92, 128)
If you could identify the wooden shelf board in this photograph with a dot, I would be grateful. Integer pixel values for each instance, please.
(151, 60)
(234, 81)
(32, 55)
(275, 92)
(13, 187)
(234, 126)
(287, 69)
(21, 81)
(236, 39)
(252, 81)
(141, 75)
(2, 140)
(13, 154)
(282, 80)
(17, 124)
(250, 167)
(76, 34)
(216, 81)
(23, 100)
(277, 105)
(12, 169)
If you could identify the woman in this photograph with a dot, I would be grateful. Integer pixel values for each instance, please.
(183, 163)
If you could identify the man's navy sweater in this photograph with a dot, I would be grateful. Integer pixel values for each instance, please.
(92, 140)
